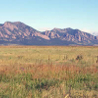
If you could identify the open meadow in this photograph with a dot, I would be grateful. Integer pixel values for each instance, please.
(48, 72)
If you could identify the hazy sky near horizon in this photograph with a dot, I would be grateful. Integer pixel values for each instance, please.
(49, 14)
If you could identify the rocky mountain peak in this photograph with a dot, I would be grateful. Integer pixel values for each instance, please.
(20, 33)
(10, 26)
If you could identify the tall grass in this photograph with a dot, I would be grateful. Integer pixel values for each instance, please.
(48, 72)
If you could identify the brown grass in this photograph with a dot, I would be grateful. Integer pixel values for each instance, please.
(48, 71)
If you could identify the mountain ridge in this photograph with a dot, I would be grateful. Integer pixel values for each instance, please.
(22, 34)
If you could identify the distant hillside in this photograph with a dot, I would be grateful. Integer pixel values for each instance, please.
(22, 34)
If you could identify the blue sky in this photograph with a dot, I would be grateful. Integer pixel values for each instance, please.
(49, 14)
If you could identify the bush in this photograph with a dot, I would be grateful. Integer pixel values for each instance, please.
(79, 57)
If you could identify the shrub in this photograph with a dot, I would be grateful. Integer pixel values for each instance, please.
(79, 57)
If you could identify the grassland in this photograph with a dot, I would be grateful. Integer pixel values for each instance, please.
(48, 72)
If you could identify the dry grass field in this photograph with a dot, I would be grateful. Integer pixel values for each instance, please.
(48, 72)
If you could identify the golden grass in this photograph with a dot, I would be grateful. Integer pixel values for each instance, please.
(49, 63)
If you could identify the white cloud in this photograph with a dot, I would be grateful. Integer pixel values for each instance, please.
(44, 29)
(91, 32)
(86, 30)
(95, 33)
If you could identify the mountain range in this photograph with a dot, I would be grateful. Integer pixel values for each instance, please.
(18, 33)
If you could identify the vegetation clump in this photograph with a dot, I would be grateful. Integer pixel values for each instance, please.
(79, 57)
